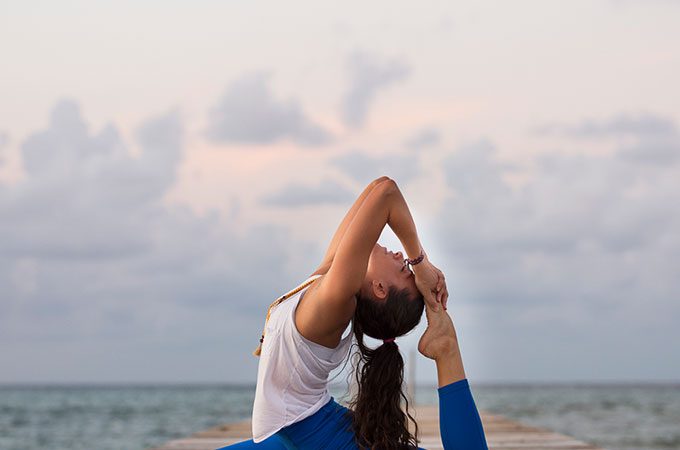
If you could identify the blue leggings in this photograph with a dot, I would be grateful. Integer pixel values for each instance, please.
(330, 427)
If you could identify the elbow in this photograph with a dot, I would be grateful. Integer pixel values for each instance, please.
(380, 180)
(388, 186)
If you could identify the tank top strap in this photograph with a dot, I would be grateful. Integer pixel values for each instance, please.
(288, 294)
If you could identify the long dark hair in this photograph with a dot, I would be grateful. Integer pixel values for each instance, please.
(378, 421)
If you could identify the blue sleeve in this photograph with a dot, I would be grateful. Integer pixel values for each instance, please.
(274, 442)
(459, 423)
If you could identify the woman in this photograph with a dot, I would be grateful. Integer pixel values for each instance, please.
(360, 282)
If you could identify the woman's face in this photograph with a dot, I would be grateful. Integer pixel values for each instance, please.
(386, 268)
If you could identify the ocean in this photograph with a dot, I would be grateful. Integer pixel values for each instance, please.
(93, 417)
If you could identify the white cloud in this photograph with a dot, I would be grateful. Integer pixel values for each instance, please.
(655, 139)
(426, 137)
(583, 252)
(622, 124)
(368, 74)
(364, 167)
(90, 252)
(296, 194)
(248, 113)
(4, 140)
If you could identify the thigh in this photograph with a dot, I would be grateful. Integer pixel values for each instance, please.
(271, 443)
(328, 429)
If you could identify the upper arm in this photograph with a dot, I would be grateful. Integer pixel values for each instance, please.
(344, 224)
(332, 304)
(348, 268)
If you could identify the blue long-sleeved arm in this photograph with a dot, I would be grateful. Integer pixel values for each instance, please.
(459, 422)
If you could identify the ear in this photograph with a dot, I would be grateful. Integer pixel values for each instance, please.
(379, 289)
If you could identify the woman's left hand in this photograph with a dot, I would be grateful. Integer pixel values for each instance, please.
(431, 283)
(442, 290)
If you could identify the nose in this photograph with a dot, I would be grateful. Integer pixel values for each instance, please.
(398, 255)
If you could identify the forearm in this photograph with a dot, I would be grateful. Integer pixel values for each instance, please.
(401, 222)
(342, 228)
(384, 205)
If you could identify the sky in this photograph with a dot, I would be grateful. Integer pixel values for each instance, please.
(167, 169)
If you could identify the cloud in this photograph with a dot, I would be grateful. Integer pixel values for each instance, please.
(656, 140)
(623, 124)
(578, 261)
(581, 253)
(659, 151)
(248, 113)
(368, 74)
(92, 257)
(4, 140)
(85, 196)
(295, 194)
(427, 137)
(364, 168)
(568, 201)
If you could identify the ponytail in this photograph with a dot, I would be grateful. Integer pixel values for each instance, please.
(378, 421)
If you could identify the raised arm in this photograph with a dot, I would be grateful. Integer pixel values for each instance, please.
(383, 205)
(330, 306)
(349, 216)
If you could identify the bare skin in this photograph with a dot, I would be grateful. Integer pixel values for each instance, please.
(353, 248)
(355, 262)
(440, 343)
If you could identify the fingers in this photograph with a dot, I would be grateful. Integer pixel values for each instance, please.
(433, 289)
(441, 290)
(430, 309)
(444, 290)
(431, 299)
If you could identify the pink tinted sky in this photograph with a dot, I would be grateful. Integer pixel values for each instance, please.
(542, 183)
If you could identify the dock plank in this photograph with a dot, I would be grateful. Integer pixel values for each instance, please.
(501, 433)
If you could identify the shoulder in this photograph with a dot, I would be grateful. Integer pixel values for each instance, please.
(319, 320)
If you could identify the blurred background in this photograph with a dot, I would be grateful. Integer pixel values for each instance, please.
(167, 169)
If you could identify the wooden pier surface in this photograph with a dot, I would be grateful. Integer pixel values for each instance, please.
(501, 433)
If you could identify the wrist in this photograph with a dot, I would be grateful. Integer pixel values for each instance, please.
(421, 265)
(412, 247)
(417, 260)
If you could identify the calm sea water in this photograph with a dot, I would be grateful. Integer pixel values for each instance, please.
(643, 417)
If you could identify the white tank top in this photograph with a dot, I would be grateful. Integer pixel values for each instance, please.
(292, 375)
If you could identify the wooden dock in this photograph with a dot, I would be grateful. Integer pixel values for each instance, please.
(501, 433)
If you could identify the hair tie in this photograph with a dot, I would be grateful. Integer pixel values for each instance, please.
(385, 341)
